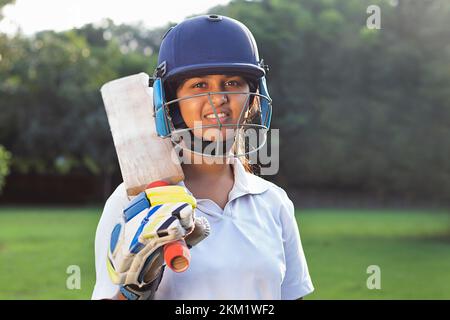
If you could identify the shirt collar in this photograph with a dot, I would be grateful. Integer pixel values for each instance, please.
(245, 182)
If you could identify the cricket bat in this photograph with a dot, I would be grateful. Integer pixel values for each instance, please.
(145, 159)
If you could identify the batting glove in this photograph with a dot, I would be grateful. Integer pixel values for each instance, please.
(156, 217)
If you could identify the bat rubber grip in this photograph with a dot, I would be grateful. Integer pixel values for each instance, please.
(177, 256)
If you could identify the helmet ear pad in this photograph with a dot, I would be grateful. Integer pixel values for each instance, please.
(259, 86)
(161, 121)
(266, 109)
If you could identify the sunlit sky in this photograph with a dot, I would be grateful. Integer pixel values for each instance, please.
(36, 15)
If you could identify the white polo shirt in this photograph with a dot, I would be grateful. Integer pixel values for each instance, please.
(254, 250)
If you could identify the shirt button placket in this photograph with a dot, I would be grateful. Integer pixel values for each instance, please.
(227, 211)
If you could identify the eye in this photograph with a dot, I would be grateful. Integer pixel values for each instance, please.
(200, 85)
(233, 83)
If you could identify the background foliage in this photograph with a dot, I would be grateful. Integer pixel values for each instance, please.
(5, 158)
(365, 110)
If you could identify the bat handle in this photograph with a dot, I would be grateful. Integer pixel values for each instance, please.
(176, 253)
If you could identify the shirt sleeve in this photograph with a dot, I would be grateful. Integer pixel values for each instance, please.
(104, 288)
(297, 281)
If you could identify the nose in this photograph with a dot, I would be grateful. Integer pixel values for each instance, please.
(218, 99)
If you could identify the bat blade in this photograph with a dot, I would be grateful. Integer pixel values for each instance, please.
(144, 157)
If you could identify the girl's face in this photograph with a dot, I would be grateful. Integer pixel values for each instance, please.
(198, 111)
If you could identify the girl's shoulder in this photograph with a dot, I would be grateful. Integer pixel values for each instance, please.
(259, 185)
(272, 197)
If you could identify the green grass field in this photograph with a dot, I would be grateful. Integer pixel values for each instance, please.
(412, 249)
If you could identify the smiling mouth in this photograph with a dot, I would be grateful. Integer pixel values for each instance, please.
(220, 115)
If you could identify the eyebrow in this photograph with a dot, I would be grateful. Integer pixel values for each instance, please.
(197, 78)
(208, 76)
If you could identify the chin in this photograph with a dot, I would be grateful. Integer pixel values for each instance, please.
(214, 134)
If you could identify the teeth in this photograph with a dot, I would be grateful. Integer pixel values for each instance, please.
(212, 115)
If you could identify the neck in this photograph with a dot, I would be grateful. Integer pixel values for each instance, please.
(200, 167)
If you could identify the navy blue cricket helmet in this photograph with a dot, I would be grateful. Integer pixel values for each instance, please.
(208, 44)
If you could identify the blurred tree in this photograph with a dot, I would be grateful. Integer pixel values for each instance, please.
(52, 116)
(367, 109)
(5, 158)
(3, 3)
(4, 47)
